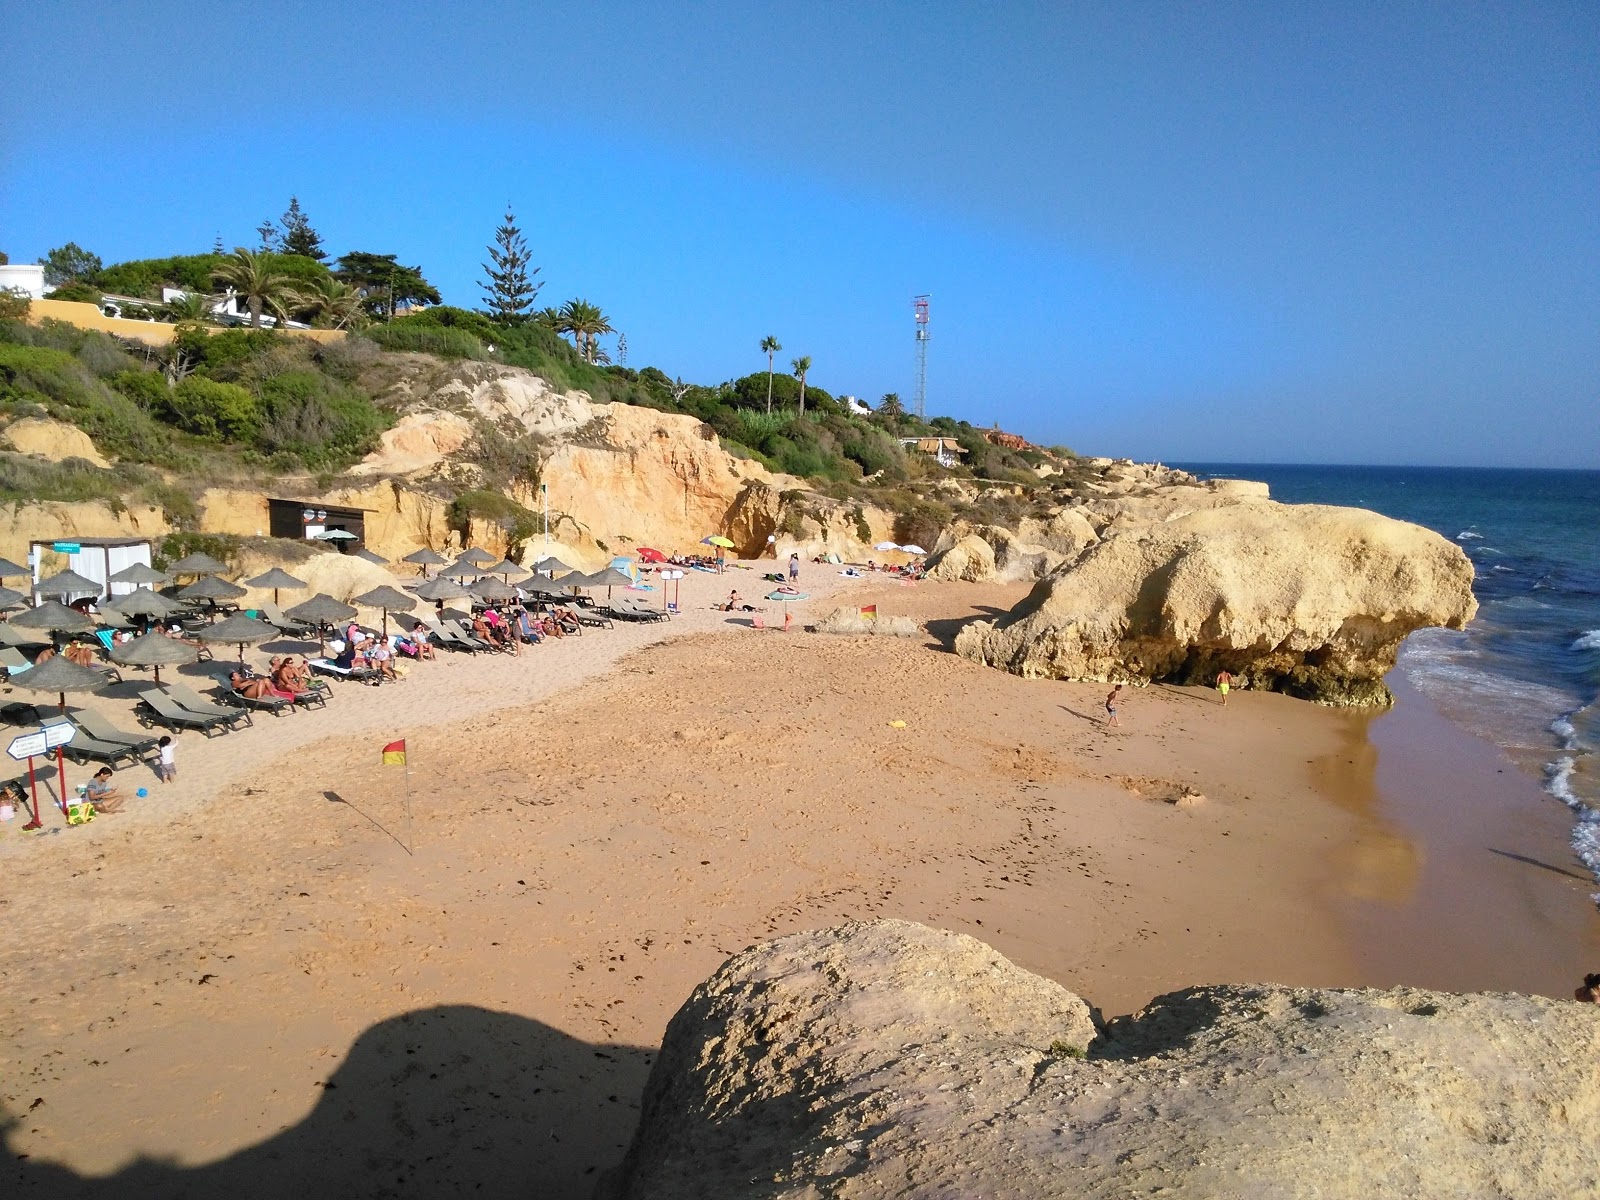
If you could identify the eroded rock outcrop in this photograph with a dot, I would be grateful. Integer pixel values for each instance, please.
(1305, 599)
(891, 1060)
(989, 554)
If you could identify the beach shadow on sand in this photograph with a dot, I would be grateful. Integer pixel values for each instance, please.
(447, 1101)
(944, 631)
(1534, 862)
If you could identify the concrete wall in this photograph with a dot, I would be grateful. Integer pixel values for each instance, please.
(153, 333)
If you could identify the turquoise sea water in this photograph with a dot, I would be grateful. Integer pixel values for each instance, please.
(1526, 673)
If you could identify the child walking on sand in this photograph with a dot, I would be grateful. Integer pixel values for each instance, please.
(167, 760)
(1111, 705)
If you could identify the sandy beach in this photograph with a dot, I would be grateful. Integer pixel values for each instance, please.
(250, 982)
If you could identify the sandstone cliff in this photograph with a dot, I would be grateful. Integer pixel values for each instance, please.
(891, 1060)
(1306, 599)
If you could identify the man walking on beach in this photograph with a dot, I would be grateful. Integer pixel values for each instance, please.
(1224, 682)
(1111, 705)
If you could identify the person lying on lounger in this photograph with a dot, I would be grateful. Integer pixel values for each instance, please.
(256, 687)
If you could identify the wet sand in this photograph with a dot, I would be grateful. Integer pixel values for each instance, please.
(252, 986)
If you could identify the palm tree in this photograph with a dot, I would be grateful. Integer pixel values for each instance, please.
(188, 307)
(338, 302)
(249, 273)
(769, 347)
(801, 365)
(585, 322)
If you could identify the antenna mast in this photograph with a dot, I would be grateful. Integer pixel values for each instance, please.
(919, 305)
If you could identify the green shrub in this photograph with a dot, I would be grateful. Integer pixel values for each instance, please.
(145, 277)
(77, 292)
(520, 524)
(147, 389)
(423, 339)
(15, 305)
(317, 421)
(223, 546)
(218, 412)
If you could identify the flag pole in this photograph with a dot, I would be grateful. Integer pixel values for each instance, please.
(411, 829)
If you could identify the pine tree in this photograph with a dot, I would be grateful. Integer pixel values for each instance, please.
(509, 291)
(268, 233)
(298, 236)
(217, 246)
(622, 349)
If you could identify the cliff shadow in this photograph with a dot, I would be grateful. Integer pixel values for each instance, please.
(447, 1101)
(943, 630)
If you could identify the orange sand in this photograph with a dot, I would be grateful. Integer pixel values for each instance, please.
(248, 985)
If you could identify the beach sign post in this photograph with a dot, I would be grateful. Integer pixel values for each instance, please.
(41, 742)
(25, 747)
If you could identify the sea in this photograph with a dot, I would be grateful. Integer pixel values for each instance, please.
(1525, 674)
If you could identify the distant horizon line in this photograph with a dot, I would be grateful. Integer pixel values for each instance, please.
(1187, 462)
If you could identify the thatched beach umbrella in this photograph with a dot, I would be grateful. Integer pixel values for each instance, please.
(17, 635)
(60, 675)
(140, 575)
(11, 599)
(198, 564)
(477, 557)
(209, 587)
(142, 602)
(274, 579)
(55, 617)
(10, 570)
(491, 589)
(154, 650)
(505, 568)
(387, 598)
(551, 566)
(461, 570)
(238, 629)
(425, 558)
(321, 610)
(67, 583)
(608, 579)
(437, 591)
(371, 556)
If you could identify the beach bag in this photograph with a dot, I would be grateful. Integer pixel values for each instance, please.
(80, 812)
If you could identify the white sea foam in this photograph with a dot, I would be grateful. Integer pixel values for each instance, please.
(1586, 832)
(1501, 567)
(1565, 733)
(1466, 535)
(1589, 641)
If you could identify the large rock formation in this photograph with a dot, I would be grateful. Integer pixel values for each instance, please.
(890, 1060)
(1306, 599)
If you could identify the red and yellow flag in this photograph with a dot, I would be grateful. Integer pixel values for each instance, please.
(394, 754)
(869, 611)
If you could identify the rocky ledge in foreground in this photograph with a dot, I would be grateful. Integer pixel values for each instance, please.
(1300, 598)
(892, 1060)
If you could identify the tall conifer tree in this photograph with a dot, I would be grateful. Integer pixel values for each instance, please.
(509, 291)
(298, 236)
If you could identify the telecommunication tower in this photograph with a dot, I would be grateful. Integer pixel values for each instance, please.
(919, 305)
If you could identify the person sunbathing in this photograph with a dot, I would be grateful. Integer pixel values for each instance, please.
(415, 644)
(256, 687)
(527, 628)
(79, 653)
(44, 656)
(288, 676)
(382, 660)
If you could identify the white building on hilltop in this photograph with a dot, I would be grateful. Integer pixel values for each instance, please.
(26, 278)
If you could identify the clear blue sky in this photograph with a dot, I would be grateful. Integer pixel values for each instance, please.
(1241, 232)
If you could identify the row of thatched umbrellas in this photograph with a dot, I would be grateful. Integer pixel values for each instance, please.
(474, 573)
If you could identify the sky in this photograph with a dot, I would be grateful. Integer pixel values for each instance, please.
(1226, 232)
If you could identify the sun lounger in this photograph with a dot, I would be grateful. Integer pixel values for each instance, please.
(273, 615)
(102, 730)
(169, 712)
(83, 747)
(447, 638)
(326, 666)
(14, 661)
(633, 609)
(467, 636)
(593, 618)
(196, 703)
